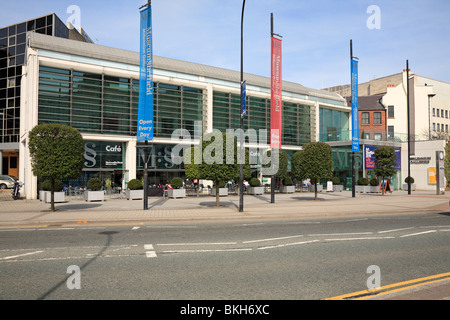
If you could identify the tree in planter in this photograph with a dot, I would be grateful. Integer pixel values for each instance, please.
(135, 184)
(192, 160)
(282, 163)
(315, 162)
(57, 152)
(385, 162)
(176, 183)
(219, 158)
(94, 184)
(362, 181)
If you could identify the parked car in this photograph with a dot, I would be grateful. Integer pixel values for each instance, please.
(6, 182)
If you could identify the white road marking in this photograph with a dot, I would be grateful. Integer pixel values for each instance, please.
(195, 244)
(288, 244)
(339, 234)
(135, 228)
(394, 230)
(367, 238)
(207, 250)
(20, 255)
(416, 234)
(272, 239)
(150, 254)
(148, 246)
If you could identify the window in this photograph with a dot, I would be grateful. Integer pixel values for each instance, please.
(434, 126)
(437, 114)
(390, 131)
(377, 118)
(446, 128)
(390, 111)
(442, 113)
(446, 114)
(366, 136)
(437, 127)
(434, 112)
(377, 136)
(442, 127)
(365, 118)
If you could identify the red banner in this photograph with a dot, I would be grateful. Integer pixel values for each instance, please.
(276, 95)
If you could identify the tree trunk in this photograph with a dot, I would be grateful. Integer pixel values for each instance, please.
(52, 197)
(315, 191)
(217, 193)
(383, 186)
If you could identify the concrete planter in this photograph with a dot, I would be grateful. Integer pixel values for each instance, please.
(338, 187)
(223, 192)
(176, 193)
(134, 194)
(362, 189)
(255, 190)
(42, 195)
(319, 188)
(288, 189)
(373, 189)
(94, 195)
(58, 196)
(405, 187)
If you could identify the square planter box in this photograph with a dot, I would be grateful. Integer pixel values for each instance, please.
(94, 195)
(338, 187)
(223, 192)
(255, 190)
(362, 189)
(176, 193)
(288, 189)
(42, 195)
(373, 189)
(319, 188)
(134, 194)
(405, 187)
(58, 197)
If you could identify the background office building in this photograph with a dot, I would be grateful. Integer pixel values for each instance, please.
(95, 89)
(12, 58)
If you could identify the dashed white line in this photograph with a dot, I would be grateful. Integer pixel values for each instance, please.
(366, 238)
(394, 230)
(196, 244)
(207, 250)
(272, 239)
(416, 234)
(20, 255)
(288, 244)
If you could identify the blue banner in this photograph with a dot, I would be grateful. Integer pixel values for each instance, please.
(244, 98)
(145, 107)
(355, 121)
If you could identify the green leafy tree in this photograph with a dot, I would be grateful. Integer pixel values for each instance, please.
(192, 159)
(56, 153)
(447, 164)
(385, 162)
(219, 159)
(315, 162)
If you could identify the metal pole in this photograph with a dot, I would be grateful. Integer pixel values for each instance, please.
(353, 153)
(409, 129)
(146, 176)
(272, 157)
(241, 145)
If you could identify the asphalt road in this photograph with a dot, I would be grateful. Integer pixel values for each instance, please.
(296, 260)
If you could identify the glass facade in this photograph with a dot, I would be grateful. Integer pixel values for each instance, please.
(296, 117)
(97, 103)
(12, 58)
(333, 125)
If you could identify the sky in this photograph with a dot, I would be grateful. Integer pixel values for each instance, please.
(316, 33)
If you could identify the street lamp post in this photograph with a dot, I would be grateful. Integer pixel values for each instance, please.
(241, 144)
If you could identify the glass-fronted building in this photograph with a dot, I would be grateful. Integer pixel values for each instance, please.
(12, 59)
(95, 89)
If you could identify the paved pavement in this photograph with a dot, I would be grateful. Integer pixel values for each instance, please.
(34, 213)
(287, 206)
